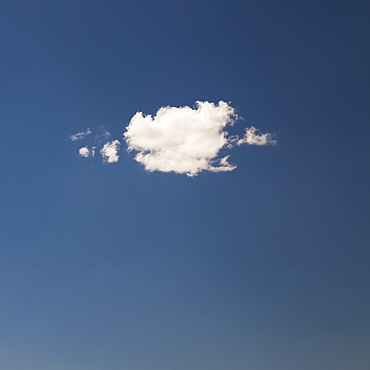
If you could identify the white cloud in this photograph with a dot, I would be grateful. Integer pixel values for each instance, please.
(86, 152)
(253, 136)
(80, 135)
(109, 151)
(182, 140)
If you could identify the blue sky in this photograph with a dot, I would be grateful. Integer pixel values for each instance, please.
(111, 266)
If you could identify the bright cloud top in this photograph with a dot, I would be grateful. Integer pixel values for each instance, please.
(182, 140)
(109, 152)
(252, 136)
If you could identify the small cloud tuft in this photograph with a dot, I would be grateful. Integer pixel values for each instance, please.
(109, 152)
(253, 136)
(86, 152)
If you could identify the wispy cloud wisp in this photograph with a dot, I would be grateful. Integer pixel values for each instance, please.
(80, 135)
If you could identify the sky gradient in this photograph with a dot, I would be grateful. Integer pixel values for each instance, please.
(109, 266)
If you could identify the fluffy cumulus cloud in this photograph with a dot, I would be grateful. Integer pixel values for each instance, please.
(109, 152)
(253, 136)
(182, 140)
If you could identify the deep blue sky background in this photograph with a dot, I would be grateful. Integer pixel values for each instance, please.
(109, 267)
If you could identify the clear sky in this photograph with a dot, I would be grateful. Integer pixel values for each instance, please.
(122, 266)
